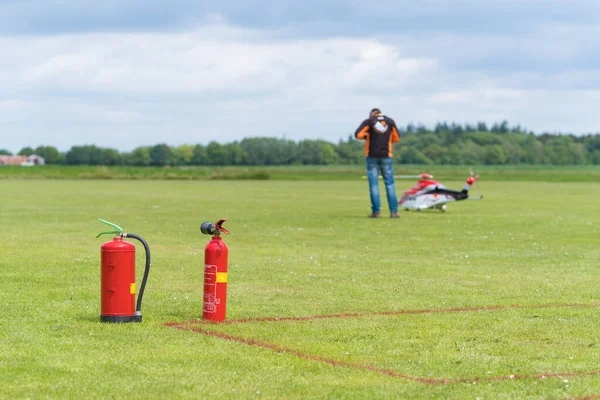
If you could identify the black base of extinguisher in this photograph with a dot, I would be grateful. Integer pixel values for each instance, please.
(120, 319)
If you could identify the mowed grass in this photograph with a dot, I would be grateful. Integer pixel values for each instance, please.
(301, 249)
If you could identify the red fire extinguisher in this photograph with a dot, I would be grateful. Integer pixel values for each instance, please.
(117, 277)
(215, 272)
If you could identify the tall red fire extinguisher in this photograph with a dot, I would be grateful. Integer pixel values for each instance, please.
(215, 272)
(117, 277)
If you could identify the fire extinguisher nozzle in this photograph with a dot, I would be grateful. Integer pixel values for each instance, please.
(207, 228)
(213, 229)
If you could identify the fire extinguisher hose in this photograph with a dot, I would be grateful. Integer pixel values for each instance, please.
(138, 310)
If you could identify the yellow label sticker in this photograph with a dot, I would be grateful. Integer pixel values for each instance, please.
(221, 277)
(132, 288)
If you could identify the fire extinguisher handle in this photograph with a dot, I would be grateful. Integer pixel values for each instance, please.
(138, 310)
(117, 229)
(219, 226)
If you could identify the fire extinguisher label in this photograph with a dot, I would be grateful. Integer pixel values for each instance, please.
(210, 288)
(132, 288)
(221, 277)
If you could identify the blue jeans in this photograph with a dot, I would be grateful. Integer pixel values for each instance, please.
(374, 164)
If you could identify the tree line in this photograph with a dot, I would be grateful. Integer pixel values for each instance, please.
(444, 144)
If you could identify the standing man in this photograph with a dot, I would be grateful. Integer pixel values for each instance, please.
(379, 132)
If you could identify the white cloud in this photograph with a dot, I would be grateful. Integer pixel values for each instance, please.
(220, 82)
(200, 61)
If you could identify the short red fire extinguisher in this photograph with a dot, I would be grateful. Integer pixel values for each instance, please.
(215, 272)
(117, 277)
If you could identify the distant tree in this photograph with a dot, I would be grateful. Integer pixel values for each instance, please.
(425, 139)
(494, 155)
(92, 155)
(562, 150)
(309, 152)
(125, 158)
(286, 152)
(160, 155)
(441, 127)
(96, 155)
(514, 153)
(351, 151)
(594, 157)
(182, 155)
(50, 154)
(330, 156)
(421, 129)
(472, 153)
(482, 127)
(139, 157)
(111, 157)
(410, 155)
(578, 156)
(518, 138)
(457, 130)
(592, 143)
(516, 128)
(445, 144)
(500, 128)
(269, 151)
(409, 141)
(78, 155)
(545, 137)
(484, 138)
(436, 153)
(4, 152)
(235, 153)
(26, 151)
(316, 152)
(453, 155)
(533, 150)
(259, 150)
(216, 154)
(199, 156)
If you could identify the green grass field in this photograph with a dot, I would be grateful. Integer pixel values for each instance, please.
(493, 299)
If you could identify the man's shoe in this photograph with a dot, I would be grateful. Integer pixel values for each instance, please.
(374, 215)
(394, 215)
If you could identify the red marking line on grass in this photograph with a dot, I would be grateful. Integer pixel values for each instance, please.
(398, 312)
(383, 371)
(193, 326)
(279, 349)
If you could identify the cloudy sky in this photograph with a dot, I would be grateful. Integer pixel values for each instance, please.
(127, 73)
